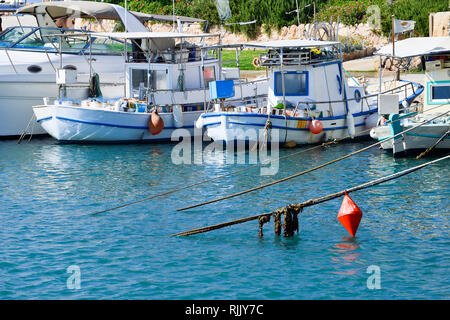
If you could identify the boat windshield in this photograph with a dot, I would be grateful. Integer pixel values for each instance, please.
(45, 39)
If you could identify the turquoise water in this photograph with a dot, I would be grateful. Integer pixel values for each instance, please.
(49, 189)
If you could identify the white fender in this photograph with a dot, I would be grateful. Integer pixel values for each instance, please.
(177, 112)
(199, 123)
(351, 125)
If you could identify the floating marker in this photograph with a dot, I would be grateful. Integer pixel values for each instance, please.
(349, 215)
(315, 126)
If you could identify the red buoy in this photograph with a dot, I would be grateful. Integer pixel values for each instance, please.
(155, 123)
(349, 215)
(315, 126)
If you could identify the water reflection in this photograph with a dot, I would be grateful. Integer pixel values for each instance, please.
(345, 256)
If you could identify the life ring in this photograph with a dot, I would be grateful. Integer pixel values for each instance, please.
(256, 62)
(357, 96)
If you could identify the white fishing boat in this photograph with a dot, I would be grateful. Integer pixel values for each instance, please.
(29, 56)
(309, 99)
(436, 56)
(169, 80)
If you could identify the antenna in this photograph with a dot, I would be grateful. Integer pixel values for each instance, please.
(126, 14)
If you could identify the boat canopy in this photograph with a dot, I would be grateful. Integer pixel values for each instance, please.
(413, 47)
(157, 17)
(152, 35)
(294, 43)
(46, 39)
(85, 9)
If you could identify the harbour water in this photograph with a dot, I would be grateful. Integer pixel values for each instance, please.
(48, 190)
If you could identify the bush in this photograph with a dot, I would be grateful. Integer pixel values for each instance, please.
(272, 14)
(417, 10)
(355, 12)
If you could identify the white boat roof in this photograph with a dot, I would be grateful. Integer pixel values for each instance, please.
(168, 18)
(151, 35)
(413, 47)
(85, 9)
(294, 43)
(100, 10)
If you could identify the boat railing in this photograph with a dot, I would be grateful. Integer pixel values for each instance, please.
(363, 100)
(402, 88)
(272, 59)
(237, 83)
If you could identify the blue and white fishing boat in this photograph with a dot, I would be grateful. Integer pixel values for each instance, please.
(166, 76)
(436, 57)
(309, 99)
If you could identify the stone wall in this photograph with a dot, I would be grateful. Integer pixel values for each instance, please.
(439, 24)
(361, 32)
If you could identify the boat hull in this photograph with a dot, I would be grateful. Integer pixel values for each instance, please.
(249, 127)
(17, 99)
(88, 125)
(414, 141)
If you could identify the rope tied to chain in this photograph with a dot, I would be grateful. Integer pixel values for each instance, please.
(262, 221)
(290, 221)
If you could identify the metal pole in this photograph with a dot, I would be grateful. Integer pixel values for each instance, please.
(60, 52)
(314, 3)
(203, 77)
(239, 71)
(380, 69)
(90, 57)
(283, 88)
(125, 56)
(220, 63)
(126, 13)
(148, 72)
(393, 37)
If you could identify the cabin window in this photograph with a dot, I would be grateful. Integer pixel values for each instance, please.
(13, 35)
(138, 76)
(209, 75)
(159, 79)
(295, 83)
(441, 92)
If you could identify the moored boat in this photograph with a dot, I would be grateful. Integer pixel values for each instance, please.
(309, 99)
(432, 134)
(169, 78)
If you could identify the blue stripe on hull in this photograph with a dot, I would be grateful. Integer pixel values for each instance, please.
(112, 125)
(243, 114)
(290, 128)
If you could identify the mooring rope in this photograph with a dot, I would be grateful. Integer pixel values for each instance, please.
(308, 203)
(434, 145)
(232, 173)
(219, 177)
(312, 169)
(24, 133)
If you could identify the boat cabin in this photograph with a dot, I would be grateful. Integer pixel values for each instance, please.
(164, 68)
(167, 62)
(305, 76)
(435, 55)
